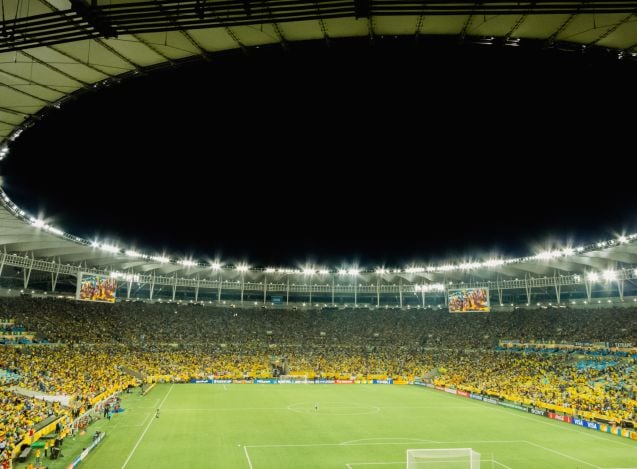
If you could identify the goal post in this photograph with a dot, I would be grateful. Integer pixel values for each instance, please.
(446, 458)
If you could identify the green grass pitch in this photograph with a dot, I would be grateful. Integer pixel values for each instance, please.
(355, 427)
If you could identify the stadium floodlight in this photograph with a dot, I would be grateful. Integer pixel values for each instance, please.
(308, 271)
(381, 271)
(37, 223)
(132, 253)
(579, 248)
(353, 271)
(592, 277)
(622, 239)
(160, 259)
(54, 230)
(109, 248)
(568, 251)
(323, 272)
(242, 268)
(609, 275)
(493, 263)
(270, 270)
(187, 263)
(342, 272)
(215, 266)
(548, 255)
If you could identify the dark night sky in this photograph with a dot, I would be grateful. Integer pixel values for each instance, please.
(380, 154)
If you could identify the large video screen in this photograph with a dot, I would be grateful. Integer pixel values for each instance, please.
(469, 300)
(96, 288)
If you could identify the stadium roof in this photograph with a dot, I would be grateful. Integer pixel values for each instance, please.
(52, 50)
(27, 237)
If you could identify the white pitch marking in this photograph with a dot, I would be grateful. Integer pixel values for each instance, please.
(146, 429)
(558, 424)
(376, 463)
(245, 450)
(496, 462)
(562, 454)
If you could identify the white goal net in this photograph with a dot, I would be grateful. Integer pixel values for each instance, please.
(446, 458)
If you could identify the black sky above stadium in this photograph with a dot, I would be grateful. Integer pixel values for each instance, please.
(376, 154)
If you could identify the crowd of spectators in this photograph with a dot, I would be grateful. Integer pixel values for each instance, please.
(83, 350)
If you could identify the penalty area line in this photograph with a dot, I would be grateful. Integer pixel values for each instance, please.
(245, 450)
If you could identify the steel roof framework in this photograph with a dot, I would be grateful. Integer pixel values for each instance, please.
(53, 50)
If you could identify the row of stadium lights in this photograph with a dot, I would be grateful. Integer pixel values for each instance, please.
(353, 271)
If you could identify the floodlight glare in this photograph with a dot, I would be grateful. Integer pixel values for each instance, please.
(160, 259)
(592, 277)
(609, 275)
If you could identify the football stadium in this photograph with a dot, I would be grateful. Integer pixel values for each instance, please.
(118, 354)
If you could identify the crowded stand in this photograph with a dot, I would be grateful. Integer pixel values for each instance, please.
(576, 361)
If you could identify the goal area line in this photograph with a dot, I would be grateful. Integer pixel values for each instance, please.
(353, 465)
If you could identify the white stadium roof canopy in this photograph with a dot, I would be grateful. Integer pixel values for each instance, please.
(53, 49)
(24, 237)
